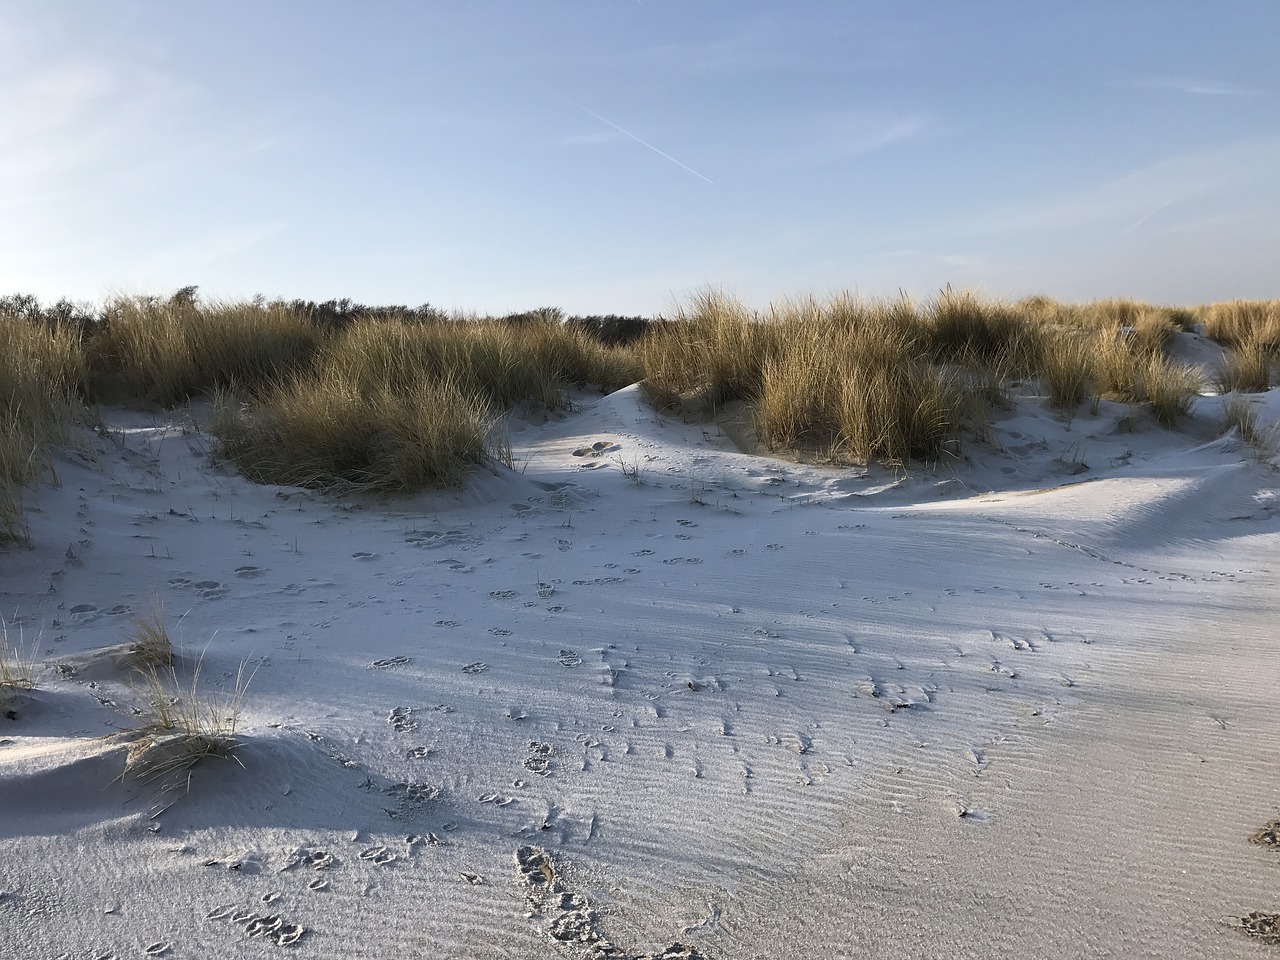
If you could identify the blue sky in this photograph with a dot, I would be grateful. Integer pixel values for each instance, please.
(615, 156)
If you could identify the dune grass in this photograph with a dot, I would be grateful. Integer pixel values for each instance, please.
(41, 372)
(339, 395)
(184, 724)
(167, 351)
(17, 672)
(151, 646)
(392, 407)
(1248, 365)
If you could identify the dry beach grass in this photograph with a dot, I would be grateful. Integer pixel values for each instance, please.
(742, 707)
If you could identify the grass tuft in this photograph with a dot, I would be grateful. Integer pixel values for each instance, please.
(17, 672)
(152, 647)
(41, 370)
(167, 351)
(1248, 366)
(184, 726)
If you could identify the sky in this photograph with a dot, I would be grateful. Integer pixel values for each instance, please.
(621, 156)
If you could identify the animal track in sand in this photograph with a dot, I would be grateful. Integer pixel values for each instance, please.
(419, 753)
(434, 539)
(478, 667)
(364, 555)
(539, 759)
(570, 916)
(271, 927)
(642, 553)
(249, 573)
(597, 449)
(378, 856)
(500, 631)
(503, 594)
(674, 560)
(563, 545)
(569, 658)
(401, 720)
(391, 662)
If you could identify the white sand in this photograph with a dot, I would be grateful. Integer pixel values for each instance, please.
(741, 705)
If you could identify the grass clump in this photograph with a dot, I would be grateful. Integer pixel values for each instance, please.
(1247, 367)
(41, 371)
(845, 380)
(167, 351)
(1066, 368)
(151, 646)
(392, 407)
(330, 433)
(16, 672)
(1238, 321)
(184, 725)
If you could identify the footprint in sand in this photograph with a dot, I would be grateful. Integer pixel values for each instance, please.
(210, 589)
(364, 555)
(597, 449)
(539, 759)
(642, 553)
(248, 573)
(563, 545)
(379, 856)
(83, 612)
(391, 662)
(499, 632)
(478, 667)
(158, 949)
(401, 720)
(569, 658)
(503, 594)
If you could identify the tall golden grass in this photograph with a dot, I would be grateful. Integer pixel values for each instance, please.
(394, 400)
(41, 372)
(167, 351)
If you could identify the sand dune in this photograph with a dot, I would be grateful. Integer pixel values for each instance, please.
(647, 695)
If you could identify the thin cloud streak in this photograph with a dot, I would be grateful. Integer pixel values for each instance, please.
(1199, 88)
(644, 143)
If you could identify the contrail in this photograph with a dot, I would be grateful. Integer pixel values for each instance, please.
(644, 143)
(557, 94)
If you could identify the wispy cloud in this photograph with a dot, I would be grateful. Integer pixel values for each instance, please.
(1123, 204)
(1199, 88)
